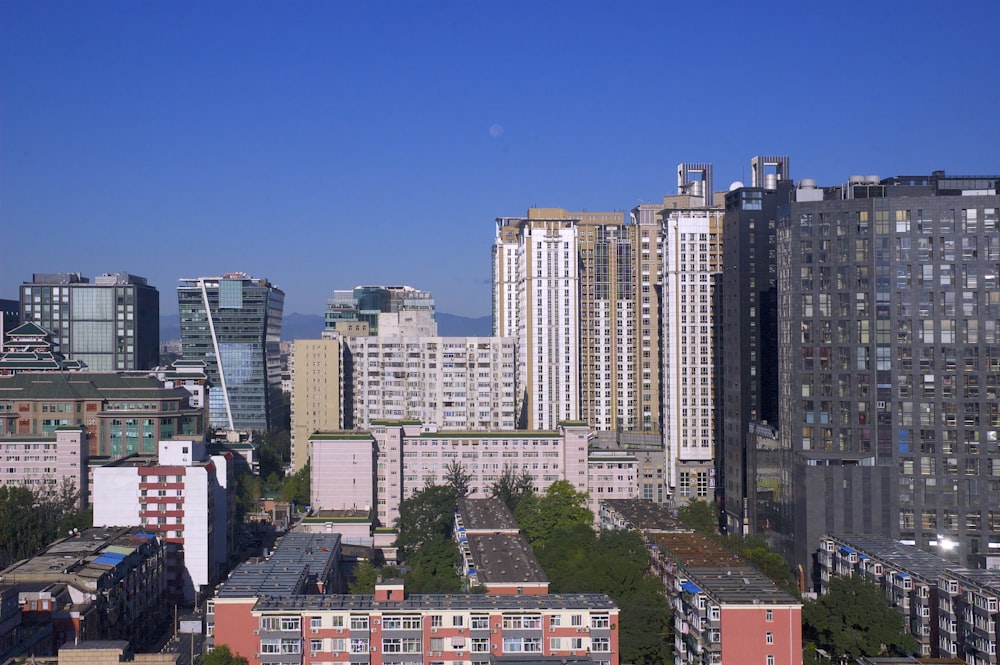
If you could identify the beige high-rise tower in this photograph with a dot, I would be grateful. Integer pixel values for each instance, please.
(578, 291)
(317, 392)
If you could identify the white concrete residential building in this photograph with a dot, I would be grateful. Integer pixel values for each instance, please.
(691, 242)
(447, 383)
(181, 495)
(536, 298)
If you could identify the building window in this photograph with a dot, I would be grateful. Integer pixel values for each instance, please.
(770, 615)
(769, 638)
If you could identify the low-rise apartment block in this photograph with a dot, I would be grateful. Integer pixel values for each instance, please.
(271, 613)
(725, 611)
(494, 554)
(398, 458)
(102, 583)
(47, 464)
(952, 611)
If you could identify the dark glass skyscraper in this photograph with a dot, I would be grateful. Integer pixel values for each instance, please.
(748, 371)
(889, 357)
(111, 324)
(233, 324)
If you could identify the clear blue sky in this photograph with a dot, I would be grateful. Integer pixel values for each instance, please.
(328, 144)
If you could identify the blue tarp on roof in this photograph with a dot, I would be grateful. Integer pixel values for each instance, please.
(864, 557)
(108, 560)
(690, 587)
(846, 550)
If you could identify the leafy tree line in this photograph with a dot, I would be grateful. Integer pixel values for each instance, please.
(29, 521)
(560, 530)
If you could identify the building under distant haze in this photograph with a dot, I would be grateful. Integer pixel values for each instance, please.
(110, 324)
(233, 324)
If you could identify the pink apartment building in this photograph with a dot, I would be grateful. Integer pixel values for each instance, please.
(47, 463)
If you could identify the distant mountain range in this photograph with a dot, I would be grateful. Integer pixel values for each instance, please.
(310, 326)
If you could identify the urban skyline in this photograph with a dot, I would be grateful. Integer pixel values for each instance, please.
(227, 125)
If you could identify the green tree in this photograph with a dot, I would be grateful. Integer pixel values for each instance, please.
(576, 560)
(222, 655)
(365, 576)
(855, 619)
(434, 569)
(511, 487)
(29, 521)
(757, 551)
(425, 543)
(702, 516)
(296, 487)
(560, 508)
(429, 513)
(457, 477)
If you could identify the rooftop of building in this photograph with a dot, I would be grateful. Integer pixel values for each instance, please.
(340, 515)
(81, 559)
(487, 514)
(632, 441)
(694, 550)
(420, 602)
(739, 586)
(504, 558)
(910, 558)
(297, 557)
(646, 515)
(524, 659)
(87, 386)
(339, 435)
(985, 578)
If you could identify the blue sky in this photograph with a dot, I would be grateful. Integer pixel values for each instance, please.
(328, 144)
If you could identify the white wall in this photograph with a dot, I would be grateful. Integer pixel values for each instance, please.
(116, 496)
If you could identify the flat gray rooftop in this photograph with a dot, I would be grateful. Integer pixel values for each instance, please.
(739, 586)
(909, 558)
(297, 558)
(485, 515)
(416, 603)
(645, 515)
(504, 558)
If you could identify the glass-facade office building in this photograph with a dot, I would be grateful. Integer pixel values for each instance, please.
(111, 324)
(233, 324)
(889, 361)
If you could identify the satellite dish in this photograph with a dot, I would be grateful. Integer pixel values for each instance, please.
(736, 185)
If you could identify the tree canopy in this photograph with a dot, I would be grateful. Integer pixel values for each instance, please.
(222, 655)
(576, 560)
(560, 508)
(426, 526)
(29, 521)
(511, 487)
(702, 516)
(855, 619)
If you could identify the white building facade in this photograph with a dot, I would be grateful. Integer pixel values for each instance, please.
(692, 244)
(181, 496)
(536, 297)
(463, 383)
